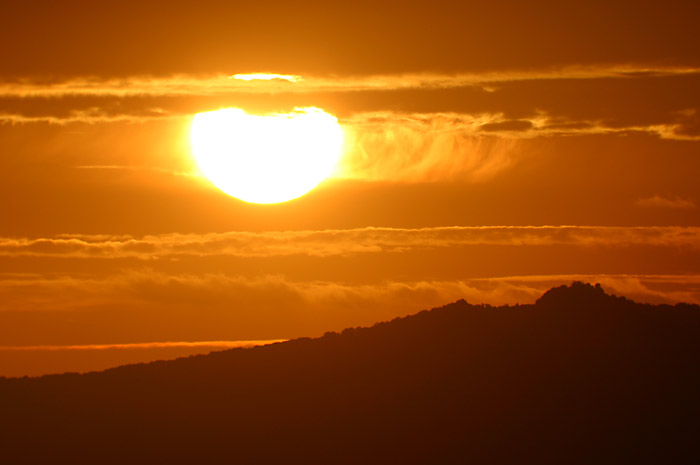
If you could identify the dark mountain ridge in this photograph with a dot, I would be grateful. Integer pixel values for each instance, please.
(579, 377)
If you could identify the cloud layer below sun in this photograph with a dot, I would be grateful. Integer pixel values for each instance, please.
(343, 242)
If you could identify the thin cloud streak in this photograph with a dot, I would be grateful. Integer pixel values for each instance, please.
(657, 201)
(462, 135)
(327, 243)
(187, 85)
(384, 127)
(153, 169)
(83, 117)
(143, 345)
(266, 77)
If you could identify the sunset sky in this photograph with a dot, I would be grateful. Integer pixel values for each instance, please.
(491, 150)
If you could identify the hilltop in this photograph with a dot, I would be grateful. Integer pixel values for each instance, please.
(579, 377)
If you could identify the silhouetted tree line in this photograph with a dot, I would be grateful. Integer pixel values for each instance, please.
(580, 377)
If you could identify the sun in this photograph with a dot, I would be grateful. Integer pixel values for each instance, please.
(266, 159)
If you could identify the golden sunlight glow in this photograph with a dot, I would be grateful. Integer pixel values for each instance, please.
(266, 159)
(266, 77)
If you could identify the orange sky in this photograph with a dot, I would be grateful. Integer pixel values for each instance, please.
(492, 151)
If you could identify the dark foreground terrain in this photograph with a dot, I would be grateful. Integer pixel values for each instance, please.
(580, 377)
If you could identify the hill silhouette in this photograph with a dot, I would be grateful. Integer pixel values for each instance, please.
(580, 377)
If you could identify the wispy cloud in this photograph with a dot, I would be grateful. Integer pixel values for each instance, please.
(658, 201)
(94, 116)
(422, 147)
(223, 84)
(153, 169)
(266, 77)
(413, 146)
(342, 242)
(426, 147)
(143, 345)
(383, 128)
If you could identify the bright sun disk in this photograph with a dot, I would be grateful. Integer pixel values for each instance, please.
(266, 159)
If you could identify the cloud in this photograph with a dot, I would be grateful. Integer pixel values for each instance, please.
(271, 301)
(421, 147)
(342, 242)
(448, 143)
(153, 169)
(220, 85)
(143, 345)
(459, 133)
(510, 125)
(94, 116)
(657, 201)
(266, 77)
